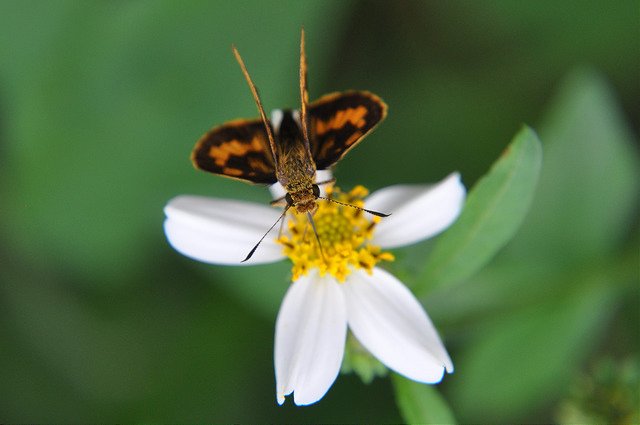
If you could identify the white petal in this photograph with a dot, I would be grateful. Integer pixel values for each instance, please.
(389, 322)
(311, 329)
(417, 212)
(221, 231)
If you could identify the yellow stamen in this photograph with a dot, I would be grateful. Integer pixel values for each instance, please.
(344, 232)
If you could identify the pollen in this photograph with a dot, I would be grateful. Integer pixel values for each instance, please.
(344, 233)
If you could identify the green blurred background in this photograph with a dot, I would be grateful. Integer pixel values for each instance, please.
(101, 103)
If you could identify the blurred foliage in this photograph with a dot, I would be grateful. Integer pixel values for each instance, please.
(551, 292)
(608, 393)
(101, 102)
(359, 361)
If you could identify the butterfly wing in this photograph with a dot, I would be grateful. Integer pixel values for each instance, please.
(339, 121)
(238, 149)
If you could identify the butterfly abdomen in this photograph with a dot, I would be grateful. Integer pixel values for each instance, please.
(295, 168)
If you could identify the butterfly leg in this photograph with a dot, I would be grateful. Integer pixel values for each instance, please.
(284, 218)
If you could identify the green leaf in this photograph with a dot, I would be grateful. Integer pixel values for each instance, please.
(421, 403)
(582, 208)
(589, 181)
(492, 214)
(540, 306)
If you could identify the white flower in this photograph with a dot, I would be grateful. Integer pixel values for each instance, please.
(337, 289)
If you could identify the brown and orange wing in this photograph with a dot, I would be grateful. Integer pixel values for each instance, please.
(339, 121)
(238, 149)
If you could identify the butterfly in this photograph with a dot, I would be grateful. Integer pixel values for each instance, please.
(293, 144)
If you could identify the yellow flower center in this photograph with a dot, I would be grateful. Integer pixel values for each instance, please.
(344, 233)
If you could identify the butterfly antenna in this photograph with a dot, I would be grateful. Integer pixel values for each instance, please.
(304, 94)
(256, 97)
(379, 214)
(263, 236)
(315, 232)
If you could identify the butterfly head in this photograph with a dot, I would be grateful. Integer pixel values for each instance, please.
(304, 201)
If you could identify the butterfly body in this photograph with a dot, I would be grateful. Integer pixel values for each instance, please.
(295, 169)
